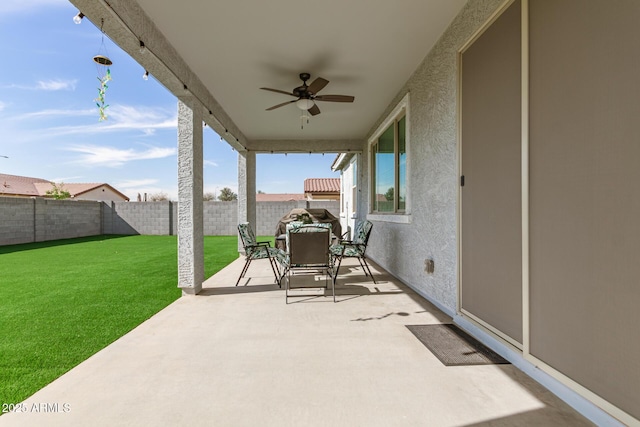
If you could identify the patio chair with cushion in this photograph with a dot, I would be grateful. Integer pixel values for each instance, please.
(354, 248)
(258, 250)
(308, 249)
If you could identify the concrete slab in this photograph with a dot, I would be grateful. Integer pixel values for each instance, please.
(240, 356)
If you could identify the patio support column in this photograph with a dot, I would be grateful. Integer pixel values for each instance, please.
(246, 190)
(190, 207)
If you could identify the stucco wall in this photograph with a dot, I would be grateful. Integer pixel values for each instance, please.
(432, 169)
(102, 193)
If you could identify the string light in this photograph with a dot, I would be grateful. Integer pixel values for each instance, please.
(143, 49)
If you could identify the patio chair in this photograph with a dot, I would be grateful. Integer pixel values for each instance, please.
(258, 250)
(355, 248)
(308, 249)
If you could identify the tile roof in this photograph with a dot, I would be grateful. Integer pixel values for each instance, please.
(20, 185)
(26, 186)
(322, 185)
(279, 197)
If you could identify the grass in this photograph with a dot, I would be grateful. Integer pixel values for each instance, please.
(64, 300)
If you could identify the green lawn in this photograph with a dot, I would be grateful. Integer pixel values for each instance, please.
(63, 301)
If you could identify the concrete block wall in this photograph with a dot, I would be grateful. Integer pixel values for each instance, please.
(220, 218)
(60, 219)
(151, 218)
(17, 220)
(269, 213)
(24, 220)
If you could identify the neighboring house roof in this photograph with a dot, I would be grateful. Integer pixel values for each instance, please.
(322, 185)
(20, 185)
(279, 197)
(15, 185)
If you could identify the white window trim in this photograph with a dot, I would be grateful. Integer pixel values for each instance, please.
(396, 217)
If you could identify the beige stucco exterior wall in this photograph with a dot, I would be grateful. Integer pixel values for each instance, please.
(102, 193)
(433, 171)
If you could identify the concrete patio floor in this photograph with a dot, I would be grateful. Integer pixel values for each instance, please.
(240, 356)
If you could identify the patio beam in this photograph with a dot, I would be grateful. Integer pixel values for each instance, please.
(305, 146)
(190, 206)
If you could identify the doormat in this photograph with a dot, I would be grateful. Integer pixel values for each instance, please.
(454, 347)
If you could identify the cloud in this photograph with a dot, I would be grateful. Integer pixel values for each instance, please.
(121, 118)
(132, 183)
(2, 105)
(53, 85)
(48, 85)
(94, 155)
(26, 6)
(210, 163)
(56, 113)
(66, 179)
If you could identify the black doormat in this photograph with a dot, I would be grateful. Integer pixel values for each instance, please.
(454, 347)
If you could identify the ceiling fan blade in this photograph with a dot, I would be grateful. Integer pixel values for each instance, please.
(280, 105)
(314, 111)
(334, 98)
(317, 85)
(277, 91)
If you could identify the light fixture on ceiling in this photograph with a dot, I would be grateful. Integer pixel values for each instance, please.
(78, 18)
(304, 103)
(145, 76)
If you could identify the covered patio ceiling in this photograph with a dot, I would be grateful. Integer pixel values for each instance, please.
(222, 52)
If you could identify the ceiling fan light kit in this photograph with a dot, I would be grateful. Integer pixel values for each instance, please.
(307, 96)
(304, 103)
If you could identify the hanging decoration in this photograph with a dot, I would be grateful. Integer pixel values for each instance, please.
(104, 76)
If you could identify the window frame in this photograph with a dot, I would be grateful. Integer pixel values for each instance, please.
(403, 216)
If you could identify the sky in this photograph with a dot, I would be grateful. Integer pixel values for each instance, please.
(49, 121)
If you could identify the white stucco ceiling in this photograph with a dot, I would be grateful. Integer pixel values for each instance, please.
(365, 48)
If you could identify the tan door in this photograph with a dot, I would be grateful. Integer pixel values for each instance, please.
(491, 248)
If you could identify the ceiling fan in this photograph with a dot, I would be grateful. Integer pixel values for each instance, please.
(307, 95)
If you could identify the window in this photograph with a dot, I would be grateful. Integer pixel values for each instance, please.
(389, 165)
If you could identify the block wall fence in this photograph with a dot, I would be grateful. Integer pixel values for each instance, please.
(26, 220)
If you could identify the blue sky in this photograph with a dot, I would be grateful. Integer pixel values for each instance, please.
(49, 124)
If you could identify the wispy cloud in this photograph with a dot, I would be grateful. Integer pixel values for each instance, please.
(3, 105)
(55, 113)
(48, 85)
(25, 6)
(210, 163)
(53, 85)
(94, 155)
(120, 118)
(67, 179)
(132, 183)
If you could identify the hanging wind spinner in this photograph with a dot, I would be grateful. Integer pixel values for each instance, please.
(104, 76)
